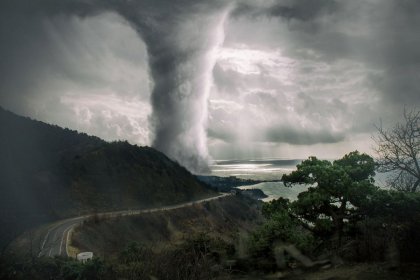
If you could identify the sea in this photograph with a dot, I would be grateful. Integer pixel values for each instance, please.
(268, 170)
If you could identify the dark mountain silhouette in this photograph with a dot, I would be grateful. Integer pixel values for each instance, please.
(49, 173)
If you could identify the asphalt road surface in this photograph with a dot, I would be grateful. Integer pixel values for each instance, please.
(57, 236)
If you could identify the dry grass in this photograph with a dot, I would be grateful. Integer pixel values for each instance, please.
(223, 218)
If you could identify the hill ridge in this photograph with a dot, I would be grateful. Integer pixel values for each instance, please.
(48, 173)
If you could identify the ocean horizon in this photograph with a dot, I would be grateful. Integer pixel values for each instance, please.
(268, 169)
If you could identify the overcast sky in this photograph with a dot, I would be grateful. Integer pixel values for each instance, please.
(251, 79)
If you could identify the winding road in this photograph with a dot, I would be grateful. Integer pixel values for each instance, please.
(56, 238)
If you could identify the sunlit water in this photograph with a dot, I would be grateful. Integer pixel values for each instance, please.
(264, 169)
(267, 169)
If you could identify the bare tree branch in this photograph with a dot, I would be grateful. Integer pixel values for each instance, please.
(398, 149)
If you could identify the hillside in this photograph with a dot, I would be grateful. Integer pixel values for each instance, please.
(224, 218)
(49, 173)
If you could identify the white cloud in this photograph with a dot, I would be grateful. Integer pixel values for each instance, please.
(110, 116)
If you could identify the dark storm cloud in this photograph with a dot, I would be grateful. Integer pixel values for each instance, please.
(301, 136)
(180, 37)
(304, 10)
(45, 59)
(283, 134)
(222, 134)
(382, 34)
(318, 118)
(401, 53)
(41, 41)
(381, 37)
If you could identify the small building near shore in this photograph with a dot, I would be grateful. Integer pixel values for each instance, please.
(84, 256)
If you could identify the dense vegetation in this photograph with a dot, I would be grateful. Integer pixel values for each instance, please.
(231, 184)
(48, 173)
(226, 184)
(197, 257)
(342, 214)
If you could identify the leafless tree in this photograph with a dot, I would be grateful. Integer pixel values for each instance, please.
(398, 149)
